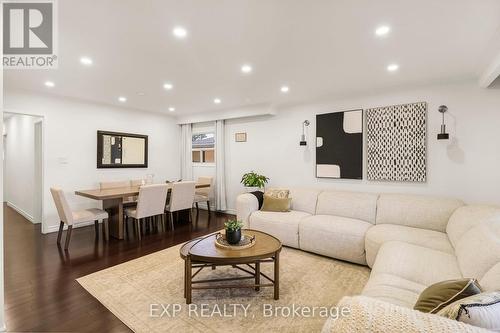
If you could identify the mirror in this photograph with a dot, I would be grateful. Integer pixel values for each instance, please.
(121, 150)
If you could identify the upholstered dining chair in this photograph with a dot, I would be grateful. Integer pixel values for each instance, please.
(203, 194)
(150, 203)
(69, 217)
(181, 198)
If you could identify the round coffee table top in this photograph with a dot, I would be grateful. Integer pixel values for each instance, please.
(204, 248)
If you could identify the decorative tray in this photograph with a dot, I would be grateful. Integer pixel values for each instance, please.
(246, 242)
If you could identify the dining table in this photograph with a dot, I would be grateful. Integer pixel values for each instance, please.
(113, 200)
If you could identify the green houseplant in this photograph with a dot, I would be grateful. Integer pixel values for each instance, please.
(253, 181)
(233, 231)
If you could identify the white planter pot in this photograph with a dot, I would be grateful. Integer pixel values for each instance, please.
(249, 189)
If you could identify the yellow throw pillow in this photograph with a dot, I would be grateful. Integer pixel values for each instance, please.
(272, 204)
(277, 193)
(441, 294)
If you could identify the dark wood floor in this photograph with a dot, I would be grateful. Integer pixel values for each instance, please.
(41, 293)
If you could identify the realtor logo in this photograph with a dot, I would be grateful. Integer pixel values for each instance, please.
(29, 34)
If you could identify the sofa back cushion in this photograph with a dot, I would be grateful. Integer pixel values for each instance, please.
(478, 250)
(416, 211)
(354, 205)
(467, 217)
(304, 200)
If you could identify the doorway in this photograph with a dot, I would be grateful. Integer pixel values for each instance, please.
(23, 165)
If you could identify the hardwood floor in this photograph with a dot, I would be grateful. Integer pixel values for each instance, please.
(41, 293)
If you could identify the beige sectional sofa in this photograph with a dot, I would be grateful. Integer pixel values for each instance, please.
(409, 241)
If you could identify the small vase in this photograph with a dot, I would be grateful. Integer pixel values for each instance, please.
(233, 236)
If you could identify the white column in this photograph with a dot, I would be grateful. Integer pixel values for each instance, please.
(2, 318)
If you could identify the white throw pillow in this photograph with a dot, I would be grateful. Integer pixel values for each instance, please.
(482, 310)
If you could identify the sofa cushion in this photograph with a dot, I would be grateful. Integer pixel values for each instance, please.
(393, 289)
(334, 236)
(491, 279)
(415, 263)
(284, 226)
(467, 217)
(355, 205)
(478, 250)
(381, 233)
(304, 199)
(416, 211)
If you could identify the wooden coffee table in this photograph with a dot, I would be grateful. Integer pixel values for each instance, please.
(202, 253)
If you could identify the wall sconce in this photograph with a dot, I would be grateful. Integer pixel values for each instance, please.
(443, 135)
(303, 141)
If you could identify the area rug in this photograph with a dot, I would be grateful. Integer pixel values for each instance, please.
(147, 295)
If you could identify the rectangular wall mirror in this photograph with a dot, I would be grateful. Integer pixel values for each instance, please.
(121, 150)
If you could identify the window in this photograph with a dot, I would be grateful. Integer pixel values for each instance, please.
(203, 148)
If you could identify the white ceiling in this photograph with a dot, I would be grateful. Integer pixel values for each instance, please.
(317, 47)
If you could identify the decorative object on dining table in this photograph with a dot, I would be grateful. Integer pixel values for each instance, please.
(240, 137)
(233, 231)
(253, 181)
(245, 242)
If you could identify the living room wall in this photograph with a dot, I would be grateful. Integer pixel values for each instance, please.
(466, 166)
(70, 140)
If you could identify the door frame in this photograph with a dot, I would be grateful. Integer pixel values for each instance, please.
(41, 191)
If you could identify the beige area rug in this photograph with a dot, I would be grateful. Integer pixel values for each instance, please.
(138, 291)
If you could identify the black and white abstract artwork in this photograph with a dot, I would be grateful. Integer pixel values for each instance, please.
(339, 145)
(396, 139)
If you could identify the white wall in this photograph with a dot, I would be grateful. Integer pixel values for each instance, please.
(19, 163)
(467, 166)
(70, 141)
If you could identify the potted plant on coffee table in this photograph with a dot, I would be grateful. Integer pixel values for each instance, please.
(233, 231)
(253, 181)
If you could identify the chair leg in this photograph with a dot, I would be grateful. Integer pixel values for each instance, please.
(68, 237)
(139, 231)
(125, 221)
(208, 207)
(172, 220)
(59, 234)
(197, 208)
(190, 216)
(96, 227)
(105, 225)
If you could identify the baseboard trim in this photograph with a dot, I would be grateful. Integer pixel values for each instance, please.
(22, 212)
(55, 228)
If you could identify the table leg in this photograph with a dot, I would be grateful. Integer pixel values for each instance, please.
(257, 274)
(277, 276)
(114, 207)
(188, 279)
(185, 277)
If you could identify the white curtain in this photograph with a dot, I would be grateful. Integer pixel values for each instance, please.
(186, 154)
(220, 170)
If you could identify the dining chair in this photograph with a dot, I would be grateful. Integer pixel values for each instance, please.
(181, 198)
(203, 194)
(69, 217)
(150, 203)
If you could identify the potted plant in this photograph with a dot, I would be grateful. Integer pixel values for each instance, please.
(233, 231)
(253, 181)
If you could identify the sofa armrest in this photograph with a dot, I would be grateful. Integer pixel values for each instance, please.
(246, 204)
(366, 314)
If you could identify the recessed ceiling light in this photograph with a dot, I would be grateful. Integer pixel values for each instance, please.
(86, 61)
(246, 69)
(171, 109)
(217, 100)
(285, 89)
(180, 32)
(140, 93)
(50, 84)
(168, 86)
(393, 67)
(383, 30)
(122, 99)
